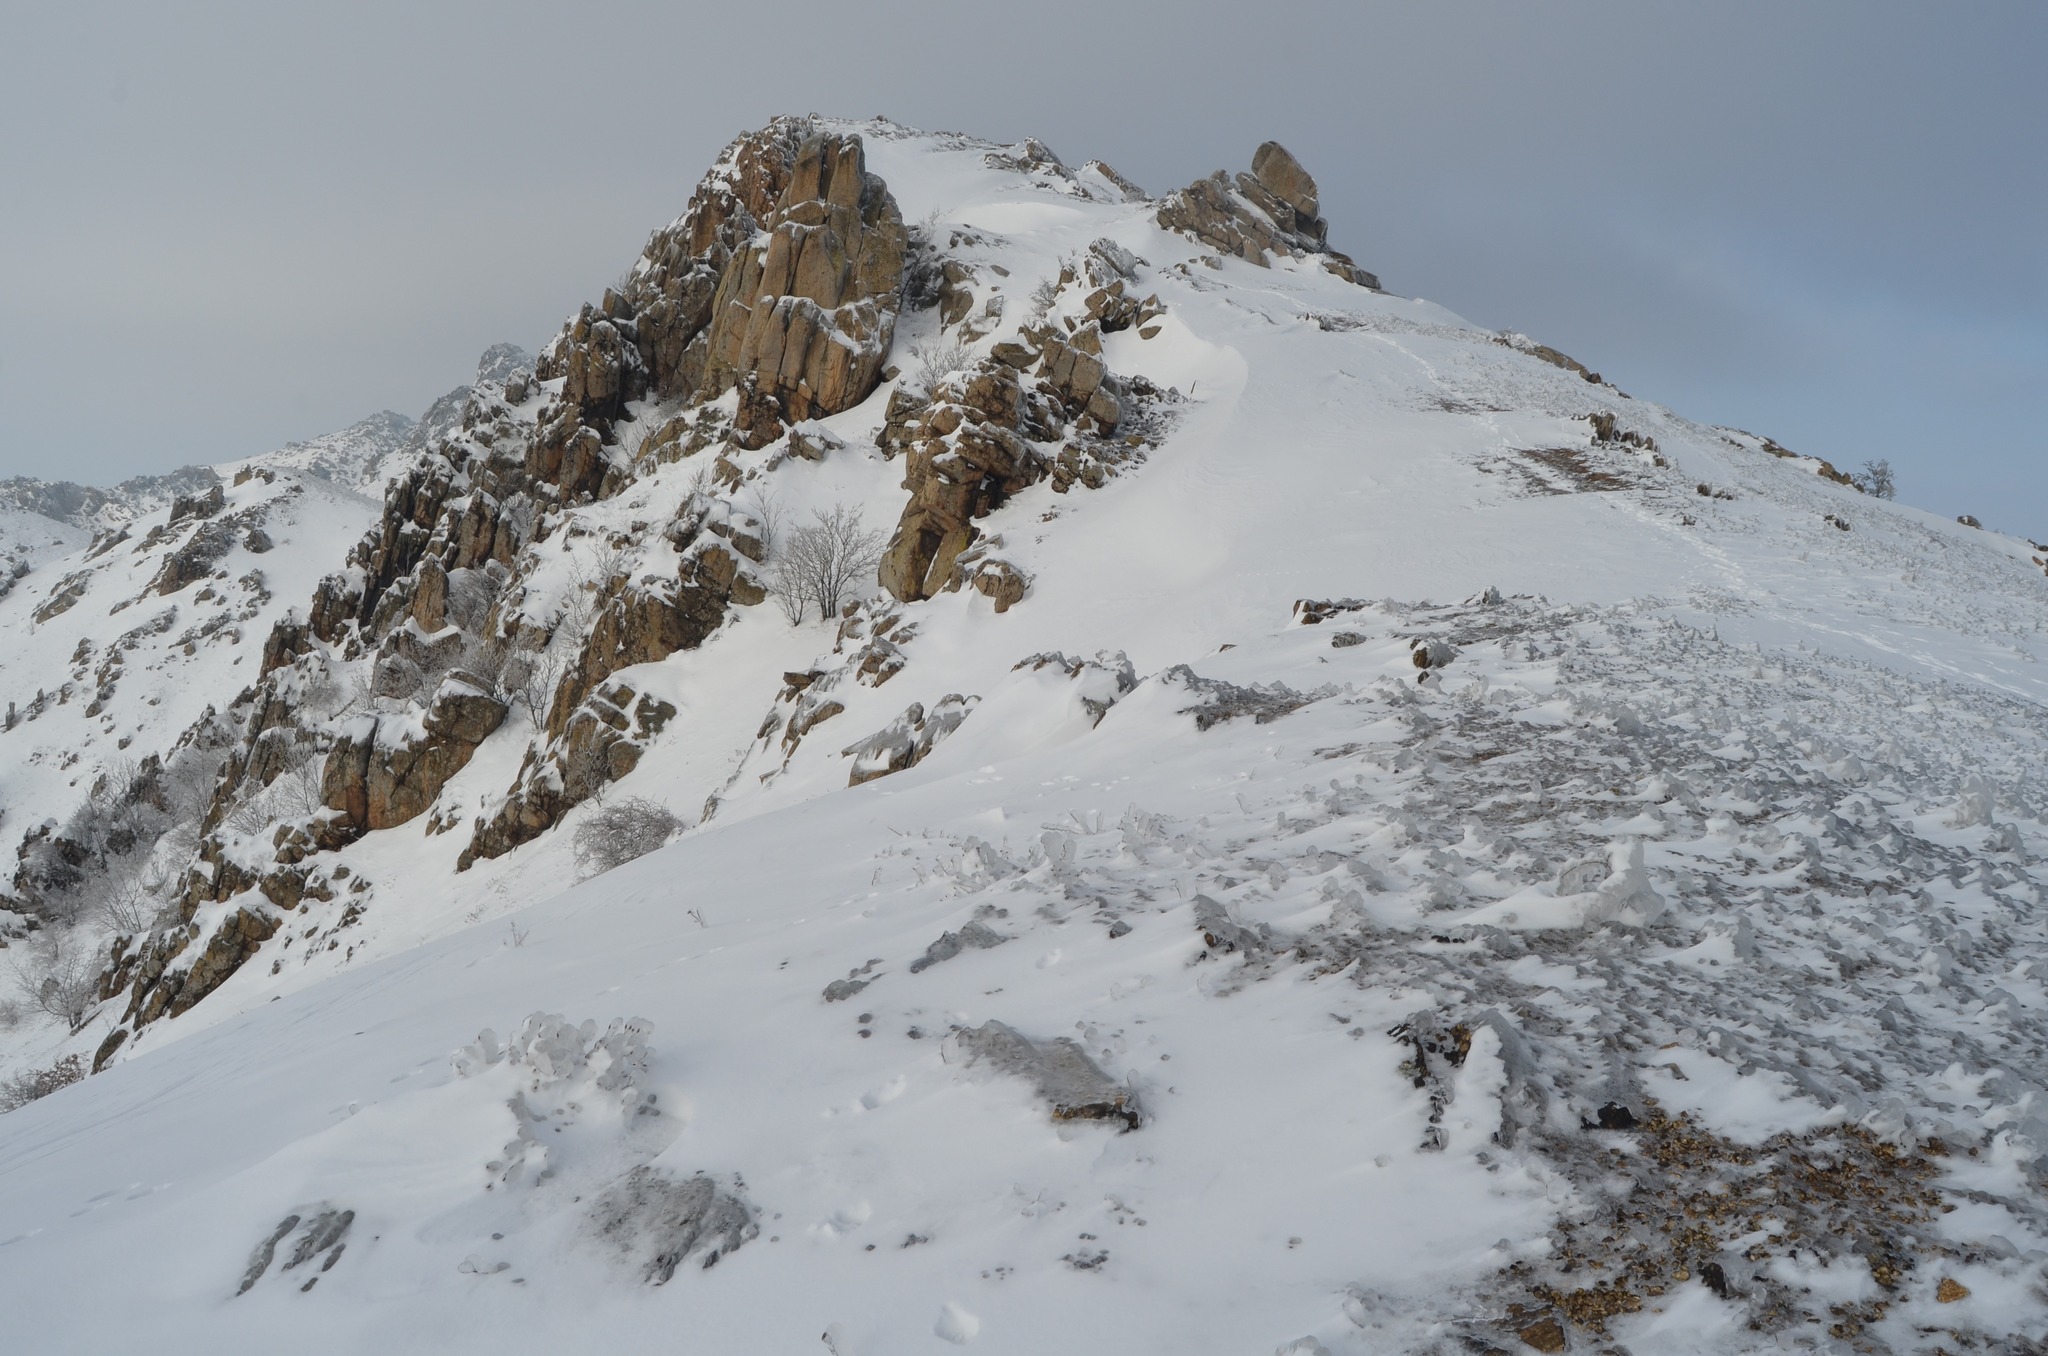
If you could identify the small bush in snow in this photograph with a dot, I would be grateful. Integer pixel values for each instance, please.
(937, 358)
(32, 1085)
(1044, 297)
(615, 834)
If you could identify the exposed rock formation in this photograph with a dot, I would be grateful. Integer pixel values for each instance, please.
(966, 457)
(1272, 210)
(905, 741)
(163, 988)
(1059, 1070)
(603, 739)
(771, 301)
(987, 435)
(804, 320)
(388, 772)
(671, 289)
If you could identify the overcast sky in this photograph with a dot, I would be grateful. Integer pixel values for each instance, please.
(226, 226)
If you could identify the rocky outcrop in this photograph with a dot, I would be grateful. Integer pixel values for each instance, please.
(160, 987)
(802, 321)
(602, 740)
(670, 291)
(1072, 1086)
(199, 504)
(778, 289)
(384, 772)
(905, 741)
(1275, 209)
(649, 619)
(63, 596)
(967, 455)
(1044, 405)
(782, 280)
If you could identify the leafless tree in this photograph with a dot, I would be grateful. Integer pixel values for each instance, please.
(133, 902)
(56, 974)
(824, 561)
(767, 512)
(530, 679)
(292, 794)
(1876, 479)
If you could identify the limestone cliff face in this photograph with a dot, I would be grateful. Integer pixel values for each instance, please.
(802, 322)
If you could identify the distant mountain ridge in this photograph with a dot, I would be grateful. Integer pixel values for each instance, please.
(360, 457)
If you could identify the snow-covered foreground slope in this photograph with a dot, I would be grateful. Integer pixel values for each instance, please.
(1815, 940)
(1191, 966)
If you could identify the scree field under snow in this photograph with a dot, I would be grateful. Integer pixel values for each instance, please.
(1442, 857)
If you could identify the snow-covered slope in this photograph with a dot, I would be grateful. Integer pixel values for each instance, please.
(1389, 844)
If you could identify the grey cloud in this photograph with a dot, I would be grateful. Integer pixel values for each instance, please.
(227, 226)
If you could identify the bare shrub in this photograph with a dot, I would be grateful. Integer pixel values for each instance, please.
(1044, 297)
(617, 833)
(938, 358)
(586, 768)
(471, 595)
(30, 1085)
(64, 867)
(486, 657)
(769, 517)
(614, 561)
(579, 605)
(529, 680)
(133, 902)
(823, 561)
(293, 794)
(56, 975)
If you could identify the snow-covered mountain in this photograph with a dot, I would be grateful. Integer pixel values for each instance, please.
(1209, 806)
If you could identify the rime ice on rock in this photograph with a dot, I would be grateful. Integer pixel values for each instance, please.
(1059, 1070)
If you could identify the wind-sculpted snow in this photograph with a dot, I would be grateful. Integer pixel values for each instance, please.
(1656, 985)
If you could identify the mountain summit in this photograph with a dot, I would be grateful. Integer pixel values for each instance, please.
(973, 756)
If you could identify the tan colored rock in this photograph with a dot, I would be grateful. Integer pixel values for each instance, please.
(645, 620)
(232, 942)
(1282, 175)
(809, 315)
(430, 596)
(1000, 582)
(379, 777)
(971, 447)
(1272, 210)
